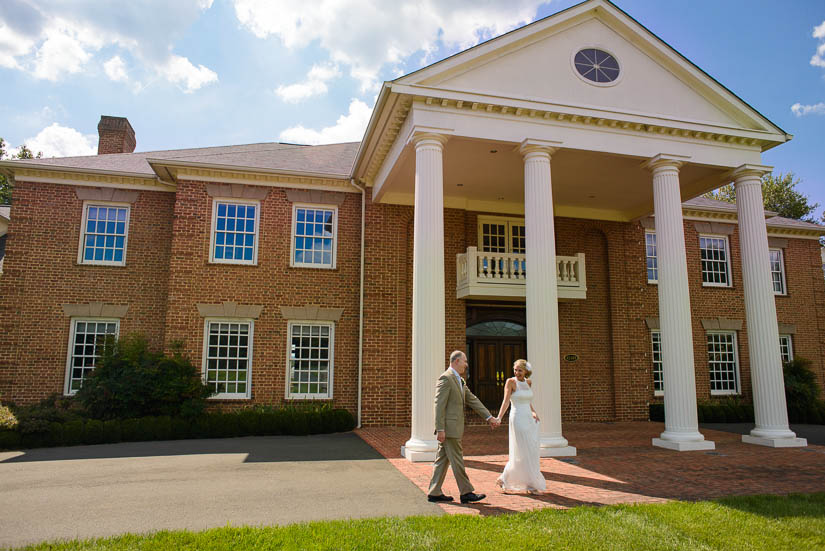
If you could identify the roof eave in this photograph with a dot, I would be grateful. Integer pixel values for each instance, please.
(173, 163)
(11, 166)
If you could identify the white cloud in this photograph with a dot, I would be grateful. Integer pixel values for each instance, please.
(818, 59)
(348, 128)
(62, 52)
(61, 141)
(182, 72)
(314, 85)
(56, 38)
(365, 35)
(801, 110)
(115, 69)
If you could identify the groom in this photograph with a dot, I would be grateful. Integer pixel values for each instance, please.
(451, 393)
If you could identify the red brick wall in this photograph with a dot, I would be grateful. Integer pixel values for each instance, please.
(271, 283)
(168, 273)
(41, 273)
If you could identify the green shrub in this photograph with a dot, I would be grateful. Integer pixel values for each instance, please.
(94, 432)
(9, 440)
(130, 381)
(54, 409)
(7, 418)
(180, 428)
(111, 431)
(801, 388)
(73, 433)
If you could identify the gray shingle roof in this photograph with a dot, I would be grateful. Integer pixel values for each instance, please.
(779, 221)
(333, 159)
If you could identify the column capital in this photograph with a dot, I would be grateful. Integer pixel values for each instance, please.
(432, 136)
(665, 161)
(749, 172)
(531, 145)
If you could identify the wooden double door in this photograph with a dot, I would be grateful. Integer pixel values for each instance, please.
(491, 362)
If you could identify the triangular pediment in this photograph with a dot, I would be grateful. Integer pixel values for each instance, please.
(536, 63)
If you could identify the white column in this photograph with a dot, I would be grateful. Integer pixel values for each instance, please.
(760, 310)
(428, 325)
(681, 420)
(542, 297)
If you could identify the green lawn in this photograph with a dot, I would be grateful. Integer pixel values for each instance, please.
(795, 522)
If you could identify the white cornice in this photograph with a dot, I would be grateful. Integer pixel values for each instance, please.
(262, 179)
(95, 179)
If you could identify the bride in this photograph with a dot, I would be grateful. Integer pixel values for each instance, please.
(523, 470)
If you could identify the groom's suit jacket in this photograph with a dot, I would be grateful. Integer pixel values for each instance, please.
(450, 397)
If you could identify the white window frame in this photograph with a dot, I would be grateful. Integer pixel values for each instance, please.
(655, 256)
(789, 346)
(205, 357)
(330, 379)
(82, 242)
(213, 233)
(738, 381)
(67, 383)
(784, 290)
(661, 361)
(334, 209)
(507, 222)
(728, 263)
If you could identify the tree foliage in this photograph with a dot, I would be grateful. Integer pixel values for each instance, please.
(5, 183)
(779, 195)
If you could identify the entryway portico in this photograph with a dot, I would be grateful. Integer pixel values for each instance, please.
(511, 127)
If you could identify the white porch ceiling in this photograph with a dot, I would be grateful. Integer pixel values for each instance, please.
(489, 176)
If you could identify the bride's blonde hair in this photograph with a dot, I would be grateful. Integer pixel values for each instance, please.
(525, 365)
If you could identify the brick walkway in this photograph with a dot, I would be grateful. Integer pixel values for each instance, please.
(617, 464)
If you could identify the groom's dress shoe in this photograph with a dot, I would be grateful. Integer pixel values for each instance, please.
(436, 499)
(471, 497)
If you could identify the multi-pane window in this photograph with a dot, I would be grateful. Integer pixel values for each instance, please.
(777, 271)
(310, 360)
(87, 339)
(234, 232)
(494, 237)
(314, 230)
(518, 242)
(658, 371)
(715, 265)
(723, 363)
(785, 348)
(105, 229)
(501, 235)
(652, 260)
(228, 357)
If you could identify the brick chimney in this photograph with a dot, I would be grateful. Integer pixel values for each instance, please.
(115, 135)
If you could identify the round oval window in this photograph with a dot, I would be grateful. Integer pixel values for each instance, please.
(596, 65)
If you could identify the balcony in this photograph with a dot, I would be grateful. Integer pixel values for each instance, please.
(481, 275)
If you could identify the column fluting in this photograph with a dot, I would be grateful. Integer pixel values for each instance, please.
(681, 420)
(428, 311)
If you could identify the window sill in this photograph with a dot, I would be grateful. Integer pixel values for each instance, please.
(308, 398)
(725, 393)
(234, 397)
(104, 264)
(716, 286)
(223, 263)
(312, 266)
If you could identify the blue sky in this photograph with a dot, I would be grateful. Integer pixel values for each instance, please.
(193, 73)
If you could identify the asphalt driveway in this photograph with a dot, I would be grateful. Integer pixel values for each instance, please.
(97, 491)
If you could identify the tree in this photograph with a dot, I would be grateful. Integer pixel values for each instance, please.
(779, 195)
(5, 183)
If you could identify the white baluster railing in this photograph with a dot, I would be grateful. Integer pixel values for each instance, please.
(480, 273)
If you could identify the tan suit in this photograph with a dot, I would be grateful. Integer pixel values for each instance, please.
(450, 398)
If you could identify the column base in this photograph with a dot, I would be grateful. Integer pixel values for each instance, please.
(684, 446)
(419, 451)
(775, 442)
(566, 451)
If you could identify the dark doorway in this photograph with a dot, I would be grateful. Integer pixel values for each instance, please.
(493, 347)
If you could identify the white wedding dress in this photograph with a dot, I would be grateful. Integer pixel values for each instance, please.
(523, 470)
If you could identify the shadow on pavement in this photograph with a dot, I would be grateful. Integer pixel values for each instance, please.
(259, 449)
(815, 434)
